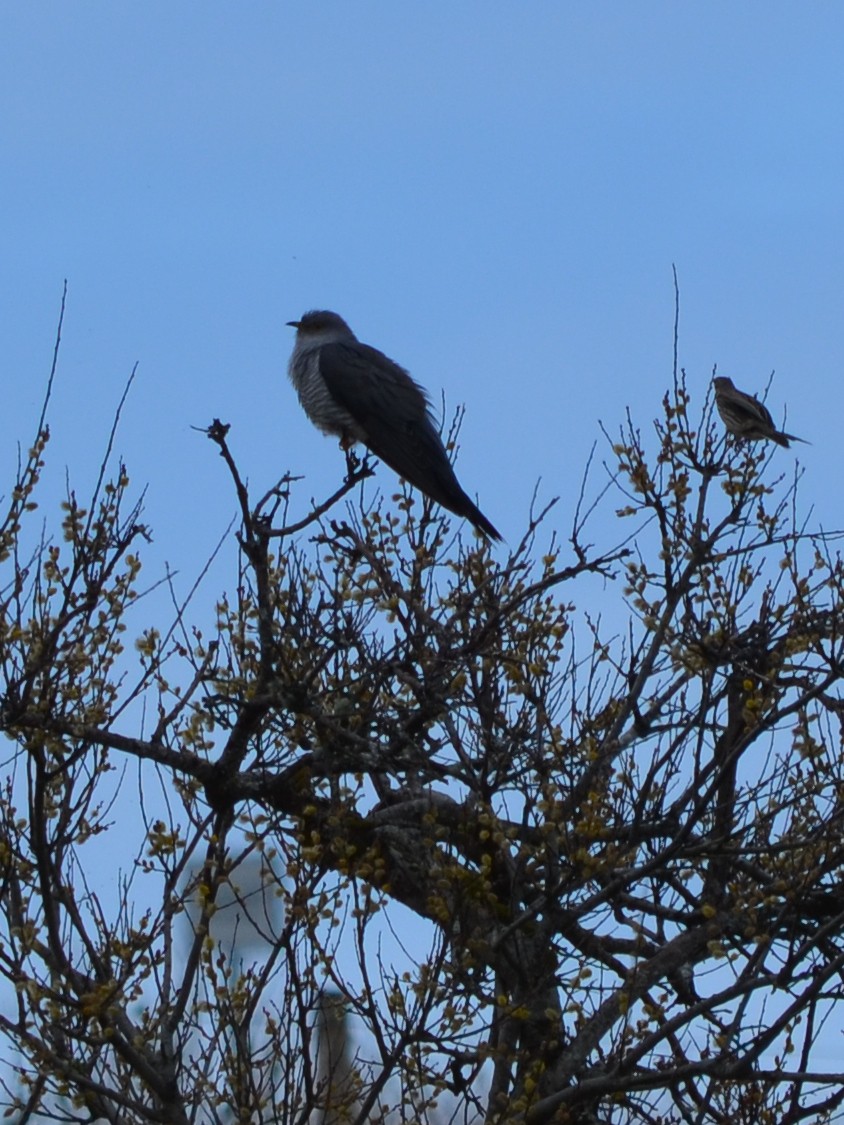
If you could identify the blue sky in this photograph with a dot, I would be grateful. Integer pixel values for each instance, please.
(492, 193)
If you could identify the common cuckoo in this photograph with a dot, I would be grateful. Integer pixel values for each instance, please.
(355, 392)
(745, 416)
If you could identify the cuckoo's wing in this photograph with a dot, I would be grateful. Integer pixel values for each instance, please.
(393, 412)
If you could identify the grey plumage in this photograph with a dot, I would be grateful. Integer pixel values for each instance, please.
(355, 392)
(745, 416)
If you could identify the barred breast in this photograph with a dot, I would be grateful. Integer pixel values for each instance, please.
(316, 400)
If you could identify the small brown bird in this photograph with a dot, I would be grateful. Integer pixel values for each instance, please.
(745, 416)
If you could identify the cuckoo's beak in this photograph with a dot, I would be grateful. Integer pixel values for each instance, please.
(293, 323)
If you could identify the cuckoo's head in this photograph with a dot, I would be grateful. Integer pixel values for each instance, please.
(321, 326)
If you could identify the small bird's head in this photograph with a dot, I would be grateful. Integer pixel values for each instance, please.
(321, 327)
(722, 383)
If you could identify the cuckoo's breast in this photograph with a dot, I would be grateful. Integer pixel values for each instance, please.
(324, 411)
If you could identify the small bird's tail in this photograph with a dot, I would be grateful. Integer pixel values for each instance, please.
(783, 439)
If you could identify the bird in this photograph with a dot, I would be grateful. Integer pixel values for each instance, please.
(745, 416)
(353, 391)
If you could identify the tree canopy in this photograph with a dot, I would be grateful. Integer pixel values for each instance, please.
(558, 825)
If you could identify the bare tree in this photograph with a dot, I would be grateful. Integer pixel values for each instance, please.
(563, 864)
